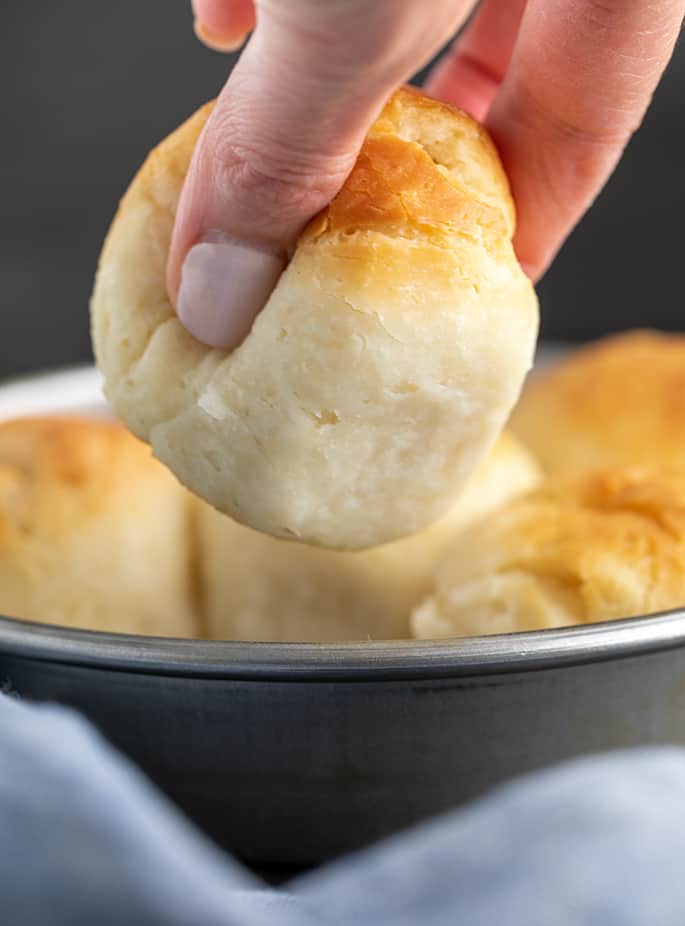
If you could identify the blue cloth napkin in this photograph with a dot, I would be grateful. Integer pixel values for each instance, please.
(86, 839)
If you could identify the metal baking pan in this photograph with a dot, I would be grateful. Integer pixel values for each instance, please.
(292, 753)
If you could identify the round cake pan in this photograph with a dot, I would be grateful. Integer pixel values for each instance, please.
(292, 753)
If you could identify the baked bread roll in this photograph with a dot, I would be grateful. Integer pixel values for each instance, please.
(383, 366)
(259, 588)
(584, 547)
(93, 531)
(618, 400)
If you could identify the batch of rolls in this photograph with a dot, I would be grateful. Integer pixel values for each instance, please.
(353, 470)
(576, 515)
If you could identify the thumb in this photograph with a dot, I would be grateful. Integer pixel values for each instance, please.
(278, 146)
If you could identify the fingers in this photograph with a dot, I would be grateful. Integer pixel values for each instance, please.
(223, 24)
(470, 73)
(579, 82)
(283, 137)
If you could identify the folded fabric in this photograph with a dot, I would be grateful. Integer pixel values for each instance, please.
(85, 839)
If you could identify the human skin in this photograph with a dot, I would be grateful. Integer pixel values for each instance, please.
(561, 85)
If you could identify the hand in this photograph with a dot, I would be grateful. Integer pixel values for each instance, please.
(561, 84)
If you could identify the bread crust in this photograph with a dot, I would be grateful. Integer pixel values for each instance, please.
(583, 547)
(93, 530)
(620, 399)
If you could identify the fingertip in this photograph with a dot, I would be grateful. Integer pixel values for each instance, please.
(215, 41)
(223, 25)
(224, 285)
(532, 271)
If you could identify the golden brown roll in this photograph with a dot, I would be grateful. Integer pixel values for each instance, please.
(383, 366)
(583, 547)
(618, 400)
(93, 531)
(261, 588)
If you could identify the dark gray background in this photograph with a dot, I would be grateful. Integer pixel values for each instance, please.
(88, 86)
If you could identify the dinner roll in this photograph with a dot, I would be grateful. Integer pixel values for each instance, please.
(384, 364)
(261, 588)
(618, 400)
(93, 531)
(583, 547)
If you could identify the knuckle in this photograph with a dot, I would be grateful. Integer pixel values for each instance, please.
(272, 179)
(592, 128)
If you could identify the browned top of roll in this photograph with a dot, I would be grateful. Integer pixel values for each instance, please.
(618, 400)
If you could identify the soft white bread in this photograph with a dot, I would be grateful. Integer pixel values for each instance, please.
(618, 400)
(382, 368)
(93, 530)
(584, 547)
(260, 588)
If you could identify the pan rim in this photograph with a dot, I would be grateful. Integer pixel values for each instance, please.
(390, 660)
